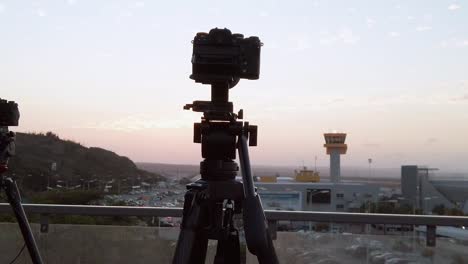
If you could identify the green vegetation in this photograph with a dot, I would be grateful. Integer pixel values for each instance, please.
(78, 177)
(75, 165)
(80, 219)
(67, 197)
(442, 210)
(75, 197)
(388, 207)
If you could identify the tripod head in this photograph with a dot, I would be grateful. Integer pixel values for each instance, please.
(221, 59)
(9, 116)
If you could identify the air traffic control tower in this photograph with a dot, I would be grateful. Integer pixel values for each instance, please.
(335, 145)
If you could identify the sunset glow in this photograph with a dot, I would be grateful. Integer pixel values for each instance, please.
(114, 74)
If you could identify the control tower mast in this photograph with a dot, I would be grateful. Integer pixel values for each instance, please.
(335, 145)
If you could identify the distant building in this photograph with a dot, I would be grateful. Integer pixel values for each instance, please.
(306, 192)
(306, 175)
(288, 194)
(422, 193)
(335, 145)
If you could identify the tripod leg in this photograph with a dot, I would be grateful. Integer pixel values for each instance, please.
(258, 238)
(14, 199)
(192, 243)
(228, 249)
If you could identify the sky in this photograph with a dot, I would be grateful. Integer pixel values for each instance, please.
(115, 74)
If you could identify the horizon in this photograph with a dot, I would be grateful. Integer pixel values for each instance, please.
(392, 75)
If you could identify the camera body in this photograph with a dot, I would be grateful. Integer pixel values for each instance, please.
(220, 56)
(9, 113)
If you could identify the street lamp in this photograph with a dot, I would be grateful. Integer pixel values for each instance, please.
(369, 160)
(315, 164)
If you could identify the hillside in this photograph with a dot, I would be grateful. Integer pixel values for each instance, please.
(75, 163)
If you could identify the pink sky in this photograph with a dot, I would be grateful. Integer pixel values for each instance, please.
(115, 75)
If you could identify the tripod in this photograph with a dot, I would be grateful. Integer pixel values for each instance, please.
(7, 149)
(211, 202)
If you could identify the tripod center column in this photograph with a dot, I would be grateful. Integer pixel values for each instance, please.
(219, 93)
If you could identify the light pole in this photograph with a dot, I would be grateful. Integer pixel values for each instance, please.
(315, 164)
(369, 160)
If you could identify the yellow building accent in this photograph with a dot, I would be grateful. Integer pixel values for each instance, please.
(267, 178)
(306, 175)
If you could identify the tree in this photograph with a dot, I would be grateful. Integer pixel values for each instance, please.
(442, 210)
(439, 209)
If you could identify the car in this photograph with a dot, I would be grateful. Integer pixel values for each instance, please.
(166, 224)
(397, 261)
(358, 251)
(382, 258)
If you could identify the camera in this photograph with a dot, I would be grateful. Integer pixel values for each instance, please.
(9, 113)
(220, 56)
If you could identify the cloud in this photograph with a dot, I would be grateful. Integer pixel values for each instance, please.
(263, 14)
(71, 2)
(431, 140)
(347, 36)
(40, 12)
(454, 42)
(126, 14)
(2, 8)
(302, 41)
(139, 4)
(461, 98)
(427, 17)
(370, 22)
(462, 43)
(423, 28)
(59, 27)
(371, 145)
(453, 7)
(464, 83)
(393, 34)
(344, 35)
(326, 38)
(352, 10)
(430, 99)
(336, 100)
(140, 122)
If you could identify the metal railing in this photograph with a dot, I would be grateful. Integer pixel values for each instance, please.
(271, 215)
(430, 221)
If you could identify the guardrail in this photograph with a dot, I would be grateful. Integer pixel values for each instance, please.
(271, 215)
(430, 221)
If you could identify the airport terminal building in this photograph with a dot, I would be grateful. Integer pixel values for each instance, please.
(288, 194)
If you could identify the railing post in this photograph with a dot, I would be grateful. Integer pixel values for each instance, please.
(431, 235)
(44, 221)
(243, 252)
(272, 228)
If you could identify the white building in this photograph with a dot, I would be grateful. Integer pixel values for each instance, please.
(288, 194)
